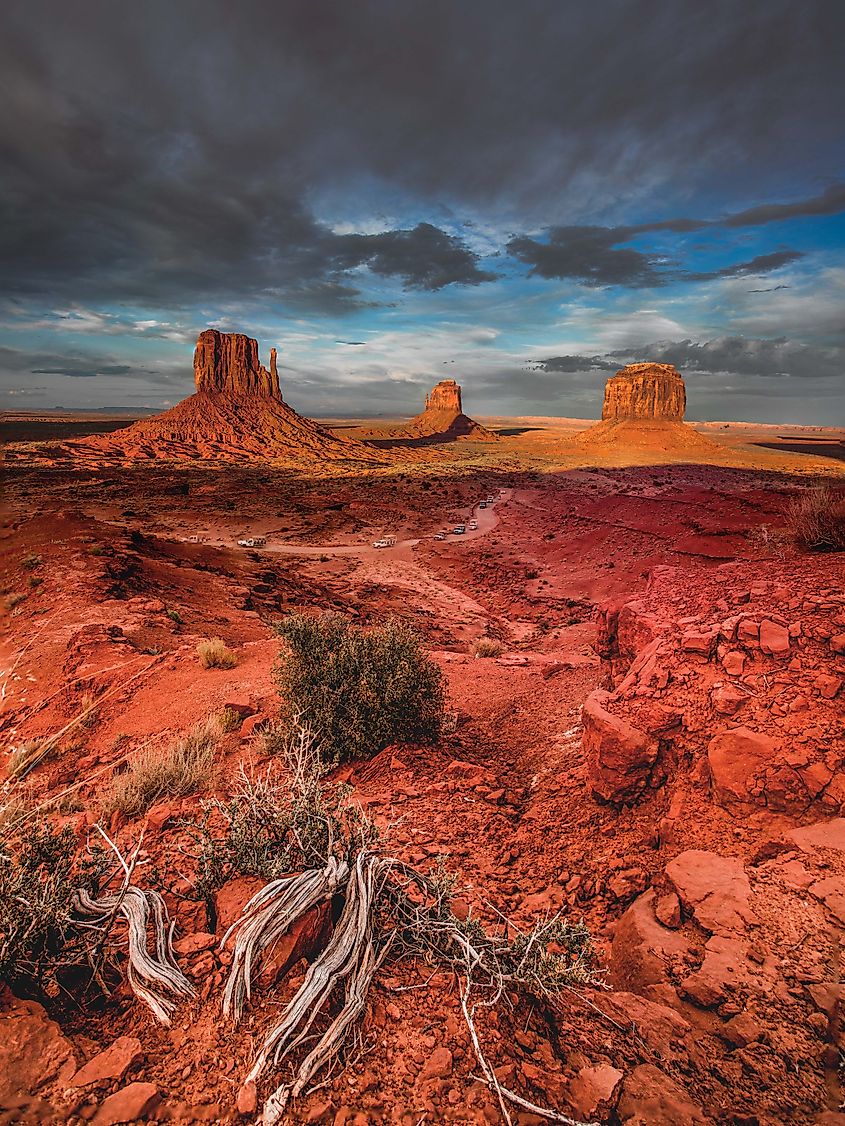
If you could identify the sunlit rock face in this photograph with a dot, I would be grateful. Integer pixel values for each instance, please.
(645, 391)
(445, 396)
(227, 363)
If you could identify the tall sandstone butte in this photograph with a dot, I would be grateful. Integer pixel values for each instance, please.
(236, 414)
(227, 363)
(645, 391)
(444, 418)
(445, 396)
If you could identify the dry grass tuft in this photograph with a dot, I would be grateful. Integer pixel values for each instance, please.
(816, 519)
(23, 756)
(487, 647)
(215, 654)
(180, 769)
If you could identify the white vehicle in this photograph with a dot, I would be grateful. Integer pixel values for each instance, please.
(253, 541)
(459, 529)
(440, 535)
(490, 500)
(379, 543)
(473, 524)
(385, 541)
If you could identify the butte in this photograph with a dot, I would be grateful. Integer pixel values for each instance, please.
(237, 413)
(443, 420)
(643, 412)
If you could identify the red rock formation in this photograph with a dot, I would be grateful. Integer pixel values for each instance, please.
(227, 363)
(645, 391)
(445, 396)
(237, 414)
(443, 420)
(643, 413)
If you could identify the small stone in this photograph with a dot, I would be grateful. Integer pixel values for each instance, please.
(112, 1063)
(438, 1065)
(128, 1104)
(247, 1099)
(774, 638)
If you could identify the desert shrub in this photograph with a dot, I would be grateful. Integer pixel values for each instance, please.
(230, 720)
(38, 875)
(816, 519)
(273, 825)
(14, 600)
(175, 616)
(32, 561)
(182, 768)
(215, 654)
(359, 689)
(486, 647)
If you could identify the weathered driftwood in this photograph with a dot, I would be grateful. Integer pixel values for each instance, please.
(269, 915)
(155, 978)
(350, 961)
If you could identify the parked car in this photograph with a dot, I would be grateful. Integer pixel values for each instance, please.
(253, 541)
(459, 529)
(482, 504)
(490, 500)
(440, 536)
(473, 524)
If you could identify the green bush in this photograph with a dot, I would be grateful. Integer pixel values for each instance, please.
(359, 689)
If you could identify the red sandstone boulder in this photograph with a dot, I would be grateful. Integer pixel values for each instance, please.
(645, 391)
(641, 949)
(650, 1098)
(620, 757)
(738, 760)
(712, 888)
(774, 638)
(34, 1053)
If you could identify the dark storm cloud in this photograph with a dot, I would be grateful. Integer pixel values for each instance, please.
(425, 257)
(587, 254)
(594, 257)
(18, 365)
(575, 363)
(740, 355)
(168, 153)
(734, 355)
(762, 264)
(830, 202)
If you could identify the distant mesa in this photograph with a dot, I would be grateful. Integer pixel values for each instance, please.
(443, 420)
(643, 410)
(236, 414)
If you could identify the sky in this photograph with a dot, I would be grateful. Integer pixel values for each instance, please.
(523, 195)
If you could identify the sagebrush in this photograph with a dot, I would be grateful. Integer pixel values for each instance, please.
(358, 689)
(816, 519)
(216, 654)
(181, 768)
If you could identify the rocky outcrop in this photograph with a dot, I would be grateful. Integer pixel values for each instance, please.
(729, 681)
(645, 391)
(227, 363)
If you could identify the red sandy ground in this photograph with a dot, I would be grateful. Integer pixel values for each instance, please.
(732, 1021)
